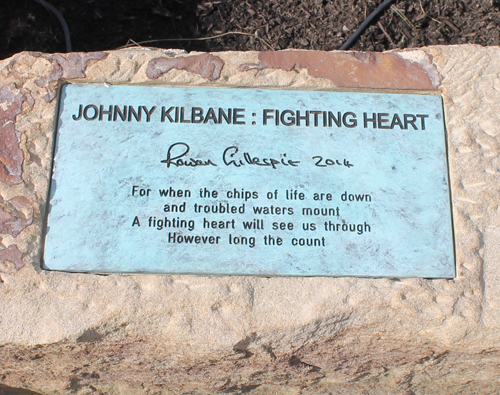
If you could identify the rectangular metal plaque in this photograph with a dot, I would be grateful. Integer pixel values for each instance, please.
(249, 182)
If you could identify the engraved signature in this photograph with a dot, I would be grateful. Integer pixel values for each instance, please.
(177, 155)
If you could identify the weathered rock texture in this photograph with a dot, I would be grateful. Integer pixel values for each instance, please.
(66, 333)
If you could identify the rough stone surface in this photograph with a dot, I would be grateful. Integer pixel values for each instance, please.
(17, 215)
(64, 333)
(66, 68)
(206, 65)
(11, 156)
(357, 69)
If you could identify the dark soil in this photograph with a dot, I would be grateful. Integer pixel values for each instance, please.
(301, 24)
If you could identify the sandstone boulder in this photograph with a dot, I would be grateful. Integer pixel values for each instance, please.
(70, 333)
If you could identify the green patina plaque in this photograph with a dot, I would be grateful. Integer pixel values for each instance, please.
(249, 182)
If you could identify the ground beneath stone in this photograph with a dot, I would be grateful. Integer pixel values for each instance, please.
(260, 25)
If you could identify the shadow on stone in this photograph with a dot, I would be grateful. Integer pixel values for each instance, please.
(5, 390)
(243, 389)
(90, 335)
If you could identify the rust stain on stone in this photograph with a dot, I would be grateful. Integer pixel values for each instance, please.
(11, 155)
(66, 67)
(206, 65)
(356, 69)
(12, 254)
(15, 215)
